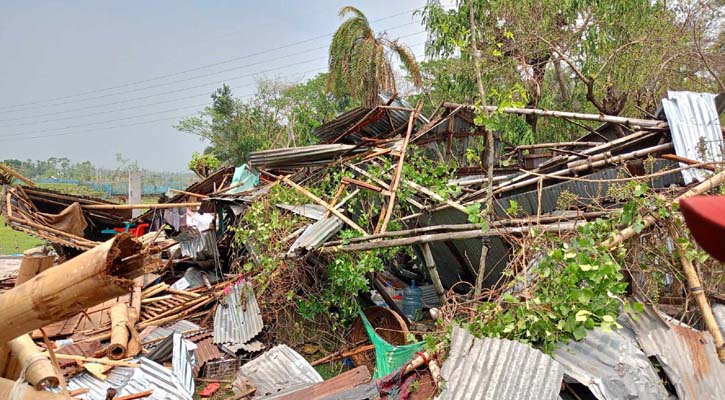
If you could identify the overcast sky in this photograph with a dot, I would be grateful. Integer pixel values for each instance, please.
(89, 79)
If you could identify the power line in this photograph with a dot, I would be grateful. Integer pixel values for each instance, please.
(140, 89)
(62, 112)
(169, 75)
(22, 136)
(131, 117)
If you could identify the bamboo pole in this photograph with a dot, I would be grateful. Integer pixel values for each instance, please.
(388, 212)
(586, 166)
(30, 266)
(16, 174)
(629, 232)
(119, 331)
(6, 386)
(694, 286)
(104, 361)
(644, 123)
(40, 373)
(199, 195)
(59, 293)
(439, 237)
(138, 206)
(433, 272)
(342, 354)
(567, 215)
(323, 203)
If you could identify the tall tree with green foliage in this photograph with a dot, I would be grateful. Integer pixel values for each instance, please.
(610, 57)
(360, 60)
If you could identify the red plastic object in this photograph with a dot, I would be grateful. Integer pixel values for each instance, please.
(705, 216)
(139, 230)
(210, 389)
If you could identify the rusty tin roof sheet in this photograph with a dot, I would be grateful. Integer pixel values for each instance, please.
(687, 356)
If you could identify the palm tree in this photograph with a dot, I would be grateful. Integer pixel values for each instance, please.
(360, 60)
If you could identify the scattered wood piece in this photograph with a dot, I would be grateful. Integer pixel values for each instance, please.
(139, 395)
(342, 354)
(104, 361)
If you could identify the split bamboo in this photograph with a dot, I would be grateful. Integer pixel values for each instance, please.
(61, 292)
(41, 373)
(6, 386)
(119, 331)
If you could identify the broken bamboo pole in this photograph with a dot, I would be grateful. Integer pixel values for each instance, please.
(61, 292)
(119, 331)
(40, 372)
(17, 175)
(694, 286)
(388, 211)
(644, 123)
(439, 237)
(630, 231)
(584, 167)
(138, 206)
(6, 387)
(433, 272)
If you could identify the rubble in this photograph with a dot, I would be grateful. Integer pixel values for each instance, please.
(199, 291)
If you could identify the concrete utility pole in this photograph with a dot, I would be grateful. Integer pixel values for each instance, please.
(135, 188)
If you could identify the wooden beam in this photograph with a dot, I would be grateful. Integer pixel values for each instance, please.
(138, 206)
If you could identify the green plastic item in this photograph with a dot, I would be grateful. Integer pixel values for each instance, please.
(388, 357)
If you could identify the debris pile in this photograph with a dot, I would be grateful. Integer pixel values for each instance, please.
(247, 281)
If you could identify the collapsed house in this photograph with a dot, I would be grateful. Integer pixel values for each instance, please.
(213, 301)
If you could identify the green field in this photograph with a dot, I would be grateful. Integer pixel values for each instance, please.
(12, 242)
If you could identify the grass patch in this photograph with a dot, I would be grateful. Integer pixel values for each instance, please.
(12, 241)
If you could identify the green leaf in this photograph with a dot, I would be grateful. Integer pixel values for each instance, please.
(607, 318)
(582, 315)
(580, 332)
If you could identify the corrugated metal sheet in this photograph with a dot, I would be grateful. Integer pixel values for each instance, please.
(430, 297)
(239, 320)
(687, 356)
(198, 245)
(182, 364)
(316, 234)
(611, 365)
(719, 311)
(373, 123)
(128, 381)
(305, 156)
(277, 370)
(311, 211)
(206, 351)
(181, 326)
(498, 369)
(695, 128)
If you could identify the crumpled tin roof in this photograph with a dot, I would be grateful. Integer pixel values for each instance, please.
(377, 123)
(687, 356)
(305, 156)
(694, 124)
(239, 320)
(181, 326)
(127, 380)
(277, 370)
(316, 234)
(611, 365)
(498, 369)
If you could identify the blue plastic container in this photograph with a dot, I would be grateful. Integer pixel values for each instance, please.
(412, 301)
